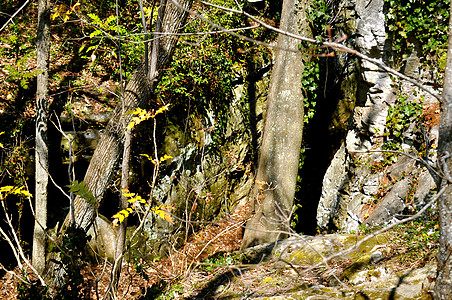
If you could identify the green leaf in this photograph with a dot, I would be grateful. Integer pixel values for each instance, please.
(81, 190)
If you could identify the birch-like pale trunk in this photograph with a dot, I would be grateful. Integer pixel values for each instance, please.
(41, 148)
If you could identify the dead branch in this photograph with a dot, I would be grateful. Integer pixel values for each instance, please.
(13, 15)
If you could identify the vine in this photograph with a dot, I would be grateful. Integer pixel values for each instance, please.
(403, 125)
(418, 21)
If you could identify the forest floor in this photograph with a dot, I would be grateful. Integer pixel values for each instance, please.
(209, 266)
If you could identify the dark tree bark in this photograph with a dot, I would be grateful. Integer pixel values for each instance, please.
(443, 287)
(41, 150)
(281, 141)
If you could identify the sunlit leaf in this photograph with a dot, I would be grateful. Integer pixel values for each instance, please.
(147, 156)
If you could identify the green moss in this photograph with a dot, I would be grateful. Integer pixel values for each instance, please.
(313, 253)
(304, 257)
(361, 263)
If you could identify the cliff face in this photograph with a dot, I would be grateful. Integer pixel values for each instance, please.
(359, 108)
(361, 187)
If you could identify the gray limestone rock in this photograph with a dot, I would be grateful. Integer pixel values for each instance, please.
(103, 238)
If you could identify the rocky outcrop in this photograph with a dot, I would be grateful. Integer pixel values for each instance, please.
(103, 238)
(374, 188)
(368, 272)
(207, 177)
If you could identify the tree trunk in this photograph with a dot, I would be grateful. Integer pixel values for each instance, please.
(136, 94)
(108, 151)
(443, 287)
(41, 151)
(280, 150)
(123, 204)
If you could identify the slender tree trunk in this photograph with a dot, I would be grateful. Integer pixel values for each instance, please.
(125, 178)
(443, 287)
(120, 243)
(278, 159)
(41, 151)
(137, 93)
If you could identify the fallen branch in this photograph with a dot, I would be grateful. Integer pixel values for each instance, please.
(12, 17)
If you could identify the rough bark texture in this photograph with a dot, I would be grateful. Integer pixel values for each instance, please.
(120, 243)
(137, 92)
(280, 149)
(108, 151)
(443, 287)
(41, 151)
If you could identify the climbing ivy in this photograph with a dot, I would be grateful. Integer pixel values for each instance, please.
(400, 116)
(418, 21)
(403, 125)
(318, 15)
(310, 81)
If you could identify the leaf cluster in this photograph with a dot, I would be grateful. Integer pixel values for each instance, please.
(403, 125)
(13, 190)
(106, 36)
(141, 115)
(18, 47)
(205, 67)
(418, 21)
(310, 81)
(401, 115)
(161, 210)
(318, 15)
(81, 190)
(417, 241)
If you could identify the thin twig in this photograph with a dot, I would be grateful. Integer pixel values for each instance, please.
(12, 17)
(333, 45)
(434, 173)
(378, 232)
(19, 248)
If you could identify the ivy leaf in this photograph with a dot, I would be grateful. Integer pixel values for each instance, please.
(81, 190)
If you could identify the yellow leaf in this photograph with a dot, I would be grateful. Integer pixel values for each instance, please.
(165, 157)
(131, 125)
(20, 191)
(125, 213)
(55, 15)
(119, 217)
(6, 188)
(128, 195)
(147, 156)
(168, 218)
(164, 214)
(166, 206)
(135, 199)
(161, 109)
(76, 5)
